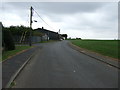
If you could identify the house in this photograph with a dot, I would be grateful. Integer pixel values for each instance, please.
(50, 34)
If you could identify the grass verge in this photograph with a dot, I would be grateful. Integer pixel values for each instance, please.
(104, 47)
(12, 84)
(8, 54)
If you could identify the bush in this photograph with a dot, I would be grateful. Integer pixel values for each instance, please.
(18, 30)
(8, 40)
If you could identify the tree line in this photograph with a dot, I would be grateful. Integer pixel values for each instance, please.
(8, 34)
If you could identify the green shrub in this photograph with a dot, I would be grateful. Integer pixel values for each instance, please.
(8, 40)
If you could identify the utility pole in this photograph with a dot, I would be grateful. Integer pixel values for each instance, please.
(30, 37)
(59, 31)
(59, 34)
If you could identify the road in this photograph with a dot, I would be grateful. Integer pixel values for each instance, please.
(56, 65)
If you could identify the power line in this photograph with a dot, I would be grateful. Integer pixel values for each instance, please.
(43, 19)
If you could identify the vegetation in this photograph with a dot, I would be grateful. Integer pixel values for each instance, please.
(18, 49)
(8, 43)
(64, 35)
(7, 40)
(19, 30)
(104, 47)
(10, 33)
(12, 84)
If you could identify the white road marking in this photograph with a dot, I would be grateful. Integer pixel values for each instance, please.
(74, 71)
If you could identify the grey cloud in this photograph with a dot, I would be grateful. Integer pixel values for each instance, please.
(54, 11)
(70, 15)
(57, 7)
(67, 8)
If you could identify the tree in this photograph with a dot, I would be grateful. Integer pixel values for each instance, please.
(8, 40)
(64, 35)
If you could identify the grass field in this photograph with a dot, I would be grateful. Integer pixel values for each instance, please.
(104, 47)
(18, 49)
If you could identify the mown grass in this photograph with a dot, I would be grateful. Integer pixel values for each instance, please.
(7, 54)
(104, 47)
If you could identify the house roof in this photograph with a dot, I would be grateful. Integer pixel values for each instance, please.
(45, 30)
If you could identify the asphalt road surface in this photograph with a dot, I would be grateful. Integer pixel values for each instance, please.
(56, 65)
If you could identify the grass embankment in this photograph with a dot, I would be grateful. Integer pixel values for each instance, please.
(104, 47)
(7, 54)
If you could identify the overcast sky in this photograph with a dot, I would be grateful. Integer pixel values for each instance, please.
(87, 20)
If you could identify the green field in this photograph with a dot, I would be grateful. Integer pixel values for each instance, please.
(104, 47)
(18, 49)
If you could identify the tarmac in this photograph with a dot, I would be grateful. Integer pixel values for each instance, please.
(12, 67)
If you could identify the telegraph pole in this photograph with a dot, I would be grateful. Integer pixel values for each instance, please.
(59, 34)
(31, 14)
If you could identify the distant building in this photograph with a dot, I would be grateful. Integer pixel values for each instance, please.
(50, 34)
